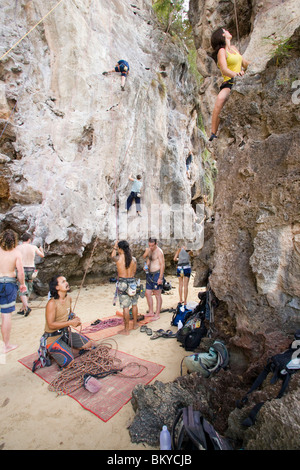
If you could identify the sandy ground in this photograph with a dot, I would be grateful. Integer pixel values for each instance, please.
(34, 418)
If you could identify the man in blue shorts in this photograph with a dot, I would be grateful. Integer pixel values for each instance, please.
(123, 67)
(10, 262)
(154, 276)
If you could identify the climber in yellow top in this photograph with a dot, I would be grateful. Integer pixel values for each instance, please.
(231, 63)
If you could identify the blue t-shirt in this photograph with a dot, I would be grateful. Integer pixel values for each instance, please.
(136, 186)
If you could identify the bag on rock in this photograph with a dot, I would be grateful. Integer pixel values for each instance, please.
(191, 431)
(282, 366)
(208, 363)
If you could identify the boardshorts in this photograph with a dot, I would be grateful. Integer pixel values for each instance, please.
(8, 294)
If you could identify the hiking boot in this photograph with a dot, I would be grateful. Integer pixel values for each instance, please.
(28, 310)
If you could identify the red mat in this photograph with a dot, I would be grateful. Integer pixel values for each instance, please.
(91, 331)
(115, 390)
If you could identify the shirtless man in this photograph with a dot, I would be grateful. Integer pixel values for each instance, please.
(126, 266)
(61, 343)
(28, 253)
(10, 261)
(154, 277)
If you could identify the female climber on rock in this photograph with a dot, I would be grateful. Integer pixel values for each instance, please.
(231, 63)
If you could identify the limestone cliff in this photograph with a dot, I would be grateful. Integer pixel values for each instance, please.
(70, 137)
(255, 267)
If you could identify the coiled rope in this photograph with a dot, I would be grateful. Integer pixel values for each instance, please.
(98, 362)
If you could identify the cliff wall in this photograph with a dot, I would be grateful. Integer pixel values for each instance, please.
(70, 137)
(255, 258)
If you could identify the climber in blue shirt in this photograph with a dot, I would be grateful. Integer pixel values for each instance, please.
(123, 67)
(135, 194)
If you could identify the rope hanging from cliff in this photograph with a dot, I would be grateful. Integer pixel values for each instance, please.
(236, 24)
(28, 32)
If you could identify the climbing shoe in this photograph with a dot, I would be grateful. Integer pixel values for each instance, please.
(28, 310)
(212, 137)
(104, 73)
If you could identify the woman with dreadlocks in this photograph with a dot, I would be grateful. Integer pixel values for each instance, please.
(231, 63)
(127, 287)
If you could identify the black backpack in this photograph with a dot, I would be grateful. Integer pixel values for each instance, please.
(191, 431)
(193, 329)
(189, 337)
(282, 366)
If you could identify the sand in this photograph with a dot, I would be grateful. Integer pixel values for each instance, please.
(34, 418)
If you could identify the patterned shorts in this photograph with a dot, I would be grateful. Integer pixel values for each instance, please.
(126, 300)
(62, 352)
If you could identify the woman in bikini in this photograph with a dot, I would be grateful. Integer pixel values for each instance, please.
(231, 63)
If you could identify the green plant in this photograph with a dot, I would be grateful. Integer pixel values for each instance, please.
(282, 49)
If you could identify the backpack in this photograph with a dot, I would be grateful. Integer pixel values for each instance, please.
(191, 431)
(208, 363)
(191, 333)
(193, 329)
(166, 286)
(283, 366)
(181, 313)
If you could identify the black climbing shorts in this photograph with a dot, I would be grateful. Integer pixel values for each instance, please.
(227, 84)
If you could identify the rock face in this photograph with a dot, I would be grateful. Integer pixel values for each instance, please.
(255, 267)
(252, 249)
(71, 138)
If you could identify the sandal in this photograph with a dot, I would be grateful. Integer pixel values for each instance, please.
(169, 334)
(143, 328)
(157, 334)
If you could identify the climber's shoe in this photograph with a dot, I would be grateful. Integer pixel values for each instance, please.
(104, 73)
(212, 137)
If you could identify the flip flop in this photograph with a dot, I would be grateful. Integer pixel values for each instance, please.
(157, 334)
(149, 331)
(143, 328)
(169, 334)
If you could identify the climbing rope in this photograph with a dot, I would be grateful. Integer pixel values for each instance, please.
(237, 25)
(28, 32)
(98, 362)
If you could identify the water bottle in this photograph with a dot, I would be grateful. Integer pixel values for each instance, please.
(146, 269)
(165, 439)
(181, 272)
(180, 325)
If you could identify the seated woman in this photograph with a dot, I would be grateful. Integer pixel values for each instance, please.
(230, 62)
(61, 342)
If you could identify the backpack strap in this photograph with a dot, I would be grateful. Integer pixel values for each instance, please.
(250, 420)
(177, 445)
(193, 427)
(284, 385)
(256, 384)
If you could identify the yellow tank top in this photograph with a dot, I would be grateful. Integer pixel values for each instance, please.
(234, 63)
